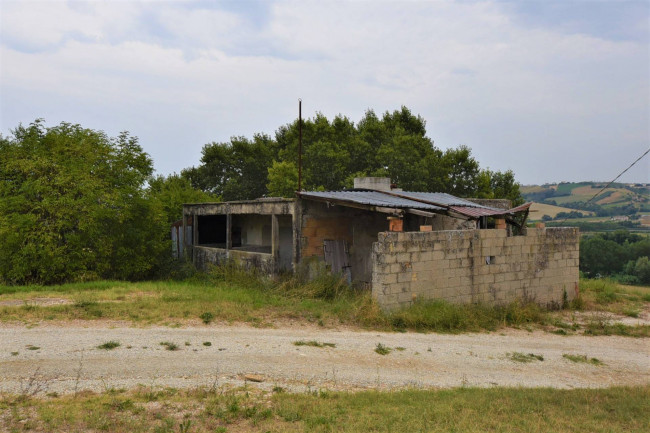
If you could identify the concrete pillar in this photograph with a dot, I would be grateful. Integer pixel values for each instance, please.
(228, 231)
(296, 220)
(275, 237)
(195, 233)
(183, 247)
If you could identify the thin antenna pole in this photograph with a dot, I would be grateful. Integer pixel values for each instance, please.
(299, 145)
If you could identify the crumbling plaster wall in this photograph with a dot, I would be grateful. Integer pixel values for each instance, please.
(204, 257)
(357, 227)
(470, 266)
(283, 209)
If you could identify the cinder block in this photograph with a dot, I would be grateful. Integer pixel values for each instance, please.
(390, 258)
(403, 257)
(421, 266)
(405, 298)
(441, 264)
(420, 287)
(389, 278)
(404, 277)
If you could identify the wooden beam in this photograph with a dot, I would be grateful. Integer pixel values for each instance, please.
(382, 209)
(421, 213)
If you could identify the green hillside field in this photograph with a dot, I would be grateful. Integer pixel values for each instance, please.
(617, 199)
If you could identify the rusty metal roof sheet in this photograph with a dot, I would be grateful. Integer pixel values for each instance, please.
(439, 198)
(475, 212)
(371, 198)
(430, 201)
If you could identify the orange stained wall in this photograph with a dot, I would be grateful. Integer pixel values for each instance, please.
(315, 230)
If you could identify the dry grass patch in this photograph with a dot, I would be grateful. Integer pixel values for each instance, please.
(233, 296)
(248, 409)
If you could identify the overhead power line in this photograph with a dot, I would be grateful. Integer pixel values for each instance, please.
(615, 179)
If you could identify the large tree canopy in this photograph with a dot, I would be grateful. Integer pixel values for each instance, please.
(334, 152)
(74, 205)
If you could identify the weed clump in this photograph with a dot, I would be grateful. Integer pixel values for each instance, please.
(524, 357)
(313, 343)
(582, 359)
(169, 345)
(382, 350)
(109, 345)
(442, 316)
(207, 317)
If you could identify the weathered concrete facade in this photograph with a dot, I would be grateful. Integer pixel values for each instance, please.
(402, 245)
(359, 229)
(259, 234)
(469, 266)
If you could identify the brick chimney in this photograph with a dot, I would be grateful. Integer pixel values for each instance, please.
(373, 183)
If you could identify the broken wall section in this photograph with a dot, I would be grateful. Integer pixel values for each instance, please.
(472, 266)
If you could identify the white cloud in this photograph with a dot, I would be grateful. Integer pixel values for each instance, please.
(177, 75)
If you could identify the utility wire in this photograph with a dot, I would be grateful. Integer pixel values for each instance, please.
(615, 179)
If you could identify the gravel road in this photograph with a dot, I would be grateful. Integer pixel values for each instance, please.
(62, 358)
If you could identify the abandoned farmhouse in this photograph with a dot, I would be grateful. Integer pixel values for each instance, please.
(401, 245)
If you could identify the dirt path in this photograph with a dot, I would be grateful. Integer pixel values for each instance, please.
(62, 358)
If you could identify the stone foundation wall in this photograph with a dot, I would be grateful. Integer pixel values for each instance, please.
(206, 256)
(470, 266)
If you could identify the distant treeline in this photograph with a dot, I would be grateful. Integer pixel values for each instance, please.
(78, 205)
(620, 254)
(601, 226)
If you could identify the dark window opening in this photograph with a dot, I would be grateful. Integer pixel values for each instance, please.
(212, 230)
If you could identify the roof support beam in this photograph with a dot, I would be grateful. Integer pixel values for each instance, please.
(421, 213)
(388, 210)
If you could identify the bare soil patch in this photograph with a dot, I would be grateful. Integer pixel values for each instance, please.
(67, 358)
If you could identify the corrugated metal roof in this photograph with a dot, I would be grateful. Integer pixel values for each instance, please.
(486, 211)
(439, 198)
(371, 198)
(431, 201)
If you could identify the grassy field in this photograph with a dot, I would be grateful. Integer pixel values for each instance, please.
(617, 195)
(538, 210)
(238, 297)
(217, 410)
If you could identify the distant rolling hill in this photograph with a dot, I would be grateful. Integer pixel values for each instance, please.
(617, 199)
(538, 210)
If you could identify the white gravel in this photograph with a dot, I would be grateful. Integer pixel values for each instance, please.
(68, 358)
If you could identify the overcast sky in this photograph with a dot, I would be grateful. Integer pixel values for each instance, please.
(555, 91)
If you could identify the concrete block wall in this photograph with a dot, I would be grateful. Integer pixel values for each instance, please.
(471, 266)
(206, 256)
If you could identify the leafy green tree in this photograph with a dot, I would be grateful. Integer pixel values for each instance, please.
(235, 170)
(462, 172)
(73, 206)
(504, 185)
(393, 145)
(172, 192)
(283, 179)
(642, 269)
(599, 256)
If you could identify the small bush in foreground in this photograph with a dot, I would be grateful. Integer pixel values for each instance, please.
(313, 343)
(169, 345)
(109, 345)
(524, 357)
(207, 317)
(382, 350)
(582, 359)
